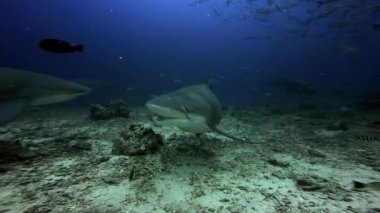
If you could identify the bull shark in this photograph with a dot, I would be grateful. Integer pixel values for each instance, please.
(20, 89)
(194, 109)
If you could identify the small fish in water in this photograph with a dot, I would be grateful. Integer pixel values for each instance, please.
(59, 46)
(4, 169)
(131, 173)
(349, 49)
(130, 89)
(376, 26)
(177, 81)
(367, 138)
(370, 185)
(281, 9)
(217, 11)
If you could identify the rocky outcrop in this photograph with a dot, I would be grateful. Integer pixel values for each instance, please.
(137, 140)
(116, 108)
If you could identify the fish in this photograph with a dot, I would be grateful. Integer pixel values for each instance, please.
(281, 8)
(4, 168)
(323, 2)
(293, 86)
(270, 2)
(326, 13)
(194, 109)
(247, 38)
(177, 81)
(196, 2)
(376, 26)
(20, 89)
(370, 185)
(349, 49)
(367, 138)
(59, 46)
(227, 2)
(131, 173)
(217, 11)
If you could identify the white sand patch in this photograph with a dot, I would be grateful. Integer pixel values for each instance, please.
(109, 194)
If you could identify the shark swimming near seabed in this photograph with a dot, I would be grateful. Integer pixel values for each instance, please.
(194, 109)
(20, 89)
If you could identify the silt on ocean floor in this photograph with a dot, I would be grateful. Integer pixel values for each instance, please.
(62, 160)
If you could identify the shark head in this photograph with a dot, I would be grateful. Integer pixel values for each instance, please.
(193, 109)
(189, 122)
(167, 106)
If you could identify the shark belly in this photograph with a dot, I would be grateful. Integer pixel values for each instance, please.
(196, 124)
(53, 98)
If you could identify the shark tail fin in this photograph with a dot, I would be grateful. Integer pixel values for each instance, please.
(229, 136)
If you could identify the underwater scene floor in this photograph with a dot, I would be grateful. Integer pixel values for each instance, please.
(60, 160)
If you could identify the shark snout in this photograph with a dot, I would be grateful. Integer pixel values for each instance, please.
(80, 90)
(156, 109)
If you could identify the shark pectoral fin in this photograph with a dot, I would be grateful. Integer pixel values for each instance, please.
(229, 136)
(9, 109)
(186, 112)
(171, 122)
(155, 120)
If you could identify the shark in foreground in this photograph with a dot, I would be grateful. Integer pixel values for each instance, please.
(193, 109)
(20, 89)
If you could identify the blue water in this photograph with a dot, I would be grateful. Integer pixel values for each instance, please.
(148, 44)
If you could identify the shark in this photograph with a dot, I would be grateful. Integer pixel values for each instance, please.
(194, 109)
(20, 89)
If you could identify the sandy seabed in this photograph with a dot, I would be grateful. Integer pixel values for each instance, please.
(59, 160)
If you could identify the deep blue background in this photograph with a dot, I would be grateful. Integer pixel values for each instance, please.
(147, 44)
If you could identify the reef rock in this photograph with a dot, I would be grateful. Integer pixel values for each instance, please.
(116, 108)
(137, 140)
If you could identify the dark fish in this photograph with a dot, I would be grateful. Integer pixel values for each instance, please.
(131, 173)
(281, 8)
(374, 124)
(371, 185)
(367, 138)
(376, 26)
(373, 210)
(4, 169)
(247, 38)
(323, 2)
(293, 86)
(59, 46)
(326, 13)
